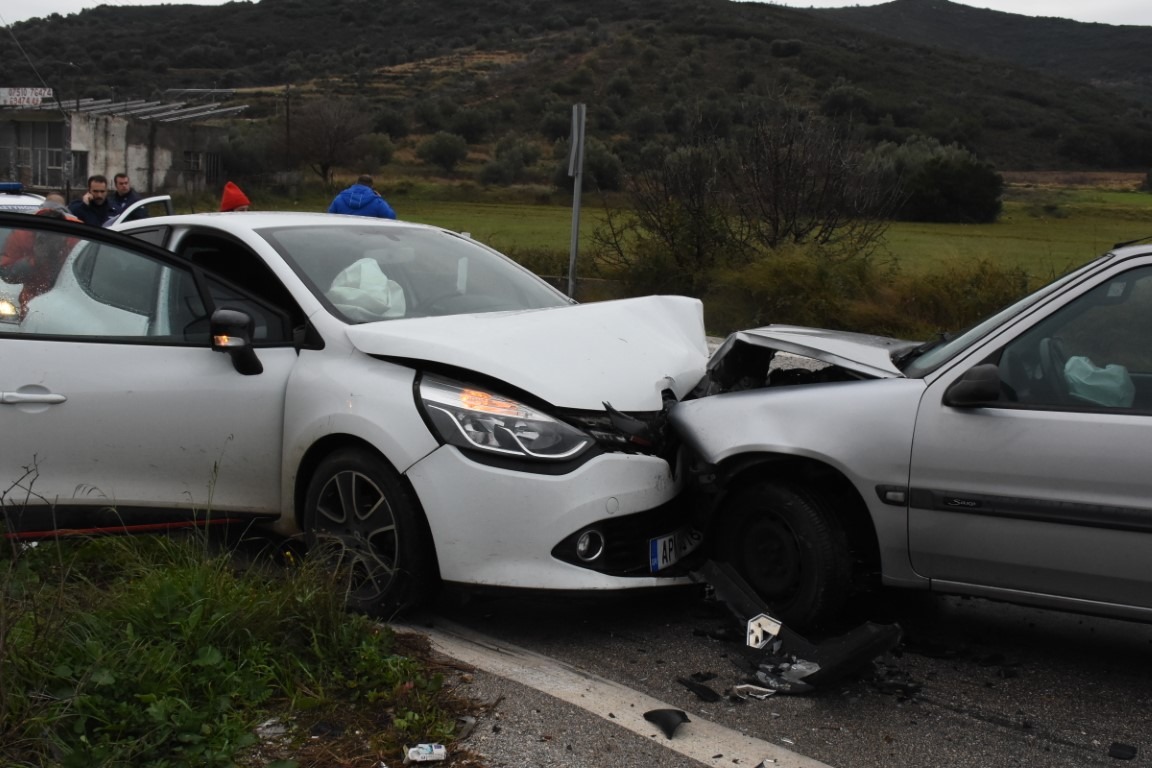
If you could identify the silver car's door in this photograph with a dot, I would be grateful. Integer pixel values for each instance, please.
(113, 406)
(1048, 491)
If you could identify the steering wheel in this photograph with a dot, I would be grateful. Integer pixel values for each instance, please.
(1053, 357)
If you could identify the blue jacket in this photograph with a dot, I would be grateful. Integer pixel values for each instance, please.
(361, 200)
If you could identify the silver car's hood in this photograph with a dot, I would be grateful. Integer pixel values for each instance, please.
(858, 352)
(622, 352)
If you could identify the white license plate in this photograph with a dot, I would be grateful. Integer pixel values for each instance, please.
(665, 551)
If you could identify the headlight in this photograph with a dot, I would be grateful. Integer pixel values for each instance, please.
(470, 417)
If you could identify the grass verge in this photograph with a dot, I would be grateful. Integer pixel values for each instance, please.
(156, 651)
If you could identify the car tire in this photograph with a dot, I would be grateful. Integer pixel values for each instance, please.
(790, 549)
(362, 517)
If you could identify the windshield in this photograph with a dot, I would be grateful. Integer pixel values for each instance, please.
(369, 273)
(928, 357)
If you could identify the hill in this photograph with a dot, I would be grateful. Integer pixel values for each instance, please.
(1110, 57)
(490, 68)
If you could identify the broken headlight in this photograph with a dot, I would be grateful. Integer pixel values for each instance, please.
(470, 417)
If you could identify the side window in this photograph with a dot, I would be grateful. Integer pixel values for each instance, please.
(1094, 353)
(62, 285)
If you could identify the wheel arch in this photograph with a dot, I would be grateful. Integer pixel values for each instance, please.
(819, 479)
(328, 445)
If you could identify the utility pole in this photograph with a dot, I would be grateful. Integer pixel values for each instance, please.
(576, 170)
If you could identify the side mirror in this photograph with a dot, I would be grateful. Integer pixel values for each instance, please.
(232, 333)
(978, 386)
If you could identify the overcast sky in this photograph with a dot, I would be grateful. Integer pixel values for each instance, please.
(1104, 11)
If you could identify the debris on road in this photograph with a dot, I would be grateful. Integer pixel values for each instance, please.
(702, 691)
(667, 720)
(1121, 751)
(797, 665)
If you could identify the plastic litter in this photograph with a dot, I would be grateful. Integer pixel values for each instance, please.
(667, 720)
(423, 753)
(749, 691)
(464, 726)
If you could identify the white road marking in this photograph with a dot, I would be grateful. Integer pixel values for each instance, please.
(700, 739)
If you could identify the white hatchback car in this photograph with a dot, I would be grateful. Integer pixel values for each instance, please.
(416, 401)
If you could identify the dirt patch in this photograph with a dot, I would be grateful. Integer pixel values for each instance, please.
(1076, 179)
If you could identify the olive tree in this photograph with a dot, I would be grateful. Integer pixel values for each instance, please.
(328, 133)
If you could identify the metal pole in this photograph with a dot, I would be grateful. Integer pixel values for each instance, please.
(576, 170)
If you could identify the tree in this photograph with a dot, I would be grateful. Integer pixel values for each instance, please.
(446, 150)
(941, 183)
(325, 134)
(787, 181)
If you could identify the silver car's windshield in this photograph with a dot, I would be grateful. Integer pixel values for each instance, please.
(369, 273)
(928, 357)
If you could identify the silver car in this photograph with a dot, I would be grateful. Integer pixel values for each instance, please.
(1010, 461)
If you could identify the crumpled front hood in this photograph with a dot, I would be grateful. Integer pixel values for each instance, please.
(858, 352)
(622, 352)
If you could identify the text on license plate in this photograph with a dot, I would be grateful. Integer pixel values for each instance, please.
(664, 551)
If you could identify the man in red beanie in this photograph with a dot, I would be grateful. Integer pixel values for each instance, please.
(233, 199)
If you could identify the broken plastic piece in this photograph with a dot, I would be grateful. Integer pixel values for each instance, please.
(1121, 751)
(667, 720)
(762, 630)
(703, 692)
(749, 691)
(423, 753)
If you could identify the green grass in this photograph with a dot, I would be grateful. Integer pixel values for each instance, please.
(157, 651)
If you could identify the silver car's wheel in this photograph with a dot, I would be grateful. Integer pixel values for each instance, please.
(362, 518)
(791, 551)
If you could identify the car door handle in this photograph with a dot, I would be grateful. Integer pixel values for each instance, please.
(11, 398)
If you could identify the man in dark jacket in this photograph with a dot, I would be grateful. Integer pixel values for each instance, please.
(93, 208)
(361, 199)
(123, 196)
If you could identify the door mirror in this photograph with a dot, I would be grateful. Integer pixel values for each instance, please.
(978, 386)
(232, 333)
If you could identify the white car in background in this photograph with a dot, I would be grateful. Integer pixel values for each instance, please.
(398, 394)
(14, 199)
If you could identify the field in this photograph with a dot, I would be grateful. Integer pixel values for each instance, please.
(1044, 230)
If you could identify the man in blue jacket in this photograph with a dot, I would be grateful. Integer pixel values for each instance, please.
(361, 199)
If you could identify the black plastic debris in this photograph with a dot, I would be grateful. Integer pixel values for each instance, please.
(1121, 751)
(667, 720)
(702, 691)
(797, 665)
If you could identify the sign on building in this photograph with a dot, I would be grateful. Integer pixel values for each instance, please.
(23, 97)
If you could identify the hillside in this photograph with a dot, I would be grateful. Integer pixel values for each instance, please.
(1111, 57)
(643, 67)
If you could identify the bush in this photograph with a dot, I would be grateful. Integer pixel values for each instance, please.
(940, 183)
(443, 149)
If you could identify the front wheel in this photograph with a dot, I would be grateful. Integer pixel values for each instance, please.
(361, 516)
(790, 549)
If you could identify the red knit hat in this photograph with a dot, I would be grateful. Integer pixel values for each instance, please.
(233, 198)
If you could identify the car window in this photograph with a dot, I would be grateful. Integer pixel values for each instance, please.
(58, 284)
(369, 273)
(1095, 352)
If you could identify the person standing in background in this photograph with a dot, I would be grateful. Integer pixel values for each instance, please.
(123, 196)
(93, 208)
(233, 199)
(361, 199)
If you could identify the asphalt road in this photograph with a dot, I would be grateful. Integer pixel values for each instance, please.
(973, 683)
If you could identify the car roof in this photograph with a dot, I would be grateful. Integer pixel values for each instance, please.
(248, 220)
(14, 198)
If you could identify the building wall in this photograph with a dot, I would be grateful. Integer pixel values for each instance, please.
(178, 157)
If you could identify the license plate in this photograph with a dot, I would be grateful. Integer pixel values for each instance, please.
(665, 551)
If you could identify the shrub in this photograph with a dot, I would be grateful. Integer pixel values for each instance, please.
(940, 183)
(443, 149)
